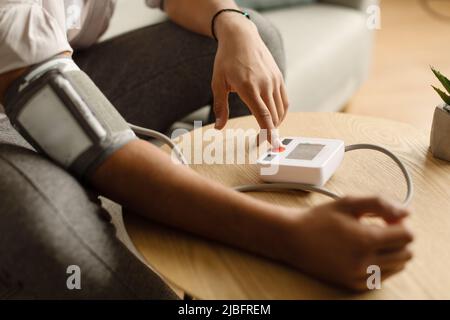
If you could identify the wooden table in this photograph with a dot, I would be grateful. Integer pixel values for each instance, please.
(209, 270)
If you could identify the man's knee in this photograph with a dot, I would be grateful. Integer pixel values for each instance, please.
(271, 37)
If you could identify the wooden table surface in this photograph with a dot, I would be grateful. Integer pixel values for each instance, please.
(209, 270)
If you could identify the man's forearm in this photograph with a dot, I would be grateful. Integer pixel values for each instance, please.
(144, 179)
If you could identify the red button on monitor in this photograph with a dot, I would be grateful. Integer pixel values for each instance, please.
(278, 150)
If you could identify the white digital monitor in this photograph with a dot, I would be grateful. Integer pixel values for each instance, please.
(303, 160)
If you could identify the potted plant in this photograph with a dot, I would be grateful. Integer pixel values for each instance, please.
(440, 131)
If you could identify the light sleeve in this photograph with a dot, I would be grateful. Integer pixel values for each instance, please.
(29, 34)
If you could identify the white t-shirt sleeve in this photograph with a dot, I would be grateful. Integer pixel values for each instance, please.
(29, 34)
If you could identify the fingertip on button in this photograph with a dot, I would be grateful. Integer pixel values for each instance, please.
(276, 142)
(279, 149)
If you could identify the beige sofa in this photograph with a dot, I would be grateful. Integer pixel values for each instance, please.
(328, 47)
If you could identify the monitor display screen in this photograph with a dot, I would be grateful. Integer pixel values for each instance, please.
(305, 151)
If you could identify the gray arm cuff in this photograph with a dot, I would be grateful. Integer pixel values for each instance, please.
(83, 107)
(86, 165)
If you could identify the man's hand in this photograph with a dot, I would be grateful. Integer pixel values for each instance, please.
(245, 65)
(331, 243)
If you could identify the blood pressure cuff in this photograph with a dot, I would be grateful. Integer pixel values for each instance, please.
(59, 110)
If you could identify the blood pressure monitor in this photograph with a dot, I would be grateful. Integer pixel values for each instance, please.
(310, 161)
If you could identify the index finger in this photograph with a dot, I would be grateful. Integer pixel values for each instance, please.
(261, 113)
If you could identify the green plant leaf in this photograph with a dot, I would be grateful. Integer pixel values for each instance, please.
(443, 79)
(443, 95)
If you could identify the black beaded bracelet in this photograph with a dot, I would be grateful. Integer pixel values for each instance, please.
(213, 21)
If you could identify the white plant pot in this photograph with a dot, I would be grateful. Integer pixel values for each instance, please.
(440, 133)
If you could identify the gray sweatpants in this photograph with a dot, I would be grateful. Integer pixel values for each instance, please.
(49, 221)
